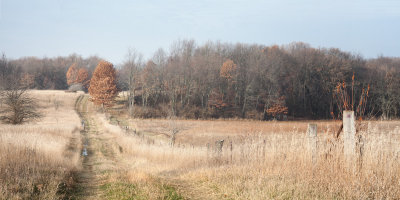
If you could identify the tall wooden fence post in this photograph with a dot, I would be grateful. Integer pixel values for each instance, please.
(349, 136)
(312, 141)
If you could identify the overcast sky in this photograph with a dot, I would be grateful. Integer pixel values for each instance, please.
(108, 28)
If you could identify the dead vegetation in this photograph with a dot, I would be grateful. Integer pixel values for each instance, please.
(256, 160)
(37, 158)
(261, 160)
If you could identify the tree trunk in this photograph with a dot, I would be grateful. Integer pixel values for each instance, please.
(131, 102)
(265, 112)
(244, 107)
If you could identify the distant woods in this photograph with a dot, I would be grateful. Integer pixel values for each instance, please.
(255, 81)
(50, 73)
(235, 80)
(16, 105)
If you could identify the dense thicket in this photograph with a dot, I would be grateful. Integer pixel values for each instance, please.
(256, 81)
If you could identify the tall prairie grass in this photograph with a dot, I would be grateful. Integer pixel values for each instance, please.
(259, 160)
(263, 165)
(36, 157)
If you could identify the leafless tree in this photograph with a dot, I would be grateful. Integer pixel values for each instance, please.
(133, 62)
(175, 128)
(17, 106)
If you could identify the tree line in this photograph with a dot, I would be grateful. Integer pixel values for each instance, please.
(50, 73)
(255, 81)
(214, 80)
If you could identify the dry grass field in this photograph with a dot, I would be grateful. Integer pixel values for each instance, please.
(36, 157)
(201, 132)
(259, 160)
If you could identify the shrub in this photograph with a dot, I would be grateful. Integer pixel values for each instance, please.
(75, 87)
(17, 106)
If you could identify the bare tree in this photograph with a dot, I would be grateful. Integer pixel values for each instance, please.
(133, 62)
(175, 128)
(17, 106)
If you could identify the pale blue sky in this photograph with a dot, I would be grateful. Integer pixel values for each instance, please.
(108, 28)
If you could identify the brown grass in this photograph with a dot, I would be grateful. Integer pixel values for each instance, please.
(37, 156)
(268, 160)
(201, 132)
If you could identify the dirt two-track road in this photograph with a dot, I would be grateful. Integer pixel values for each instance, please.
(103, 165)
(99, 157)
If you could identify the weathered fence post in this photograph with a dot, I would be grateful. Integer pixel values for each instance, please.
(349, 136)
(265, 143)
(312, 141)
(218, 146)
(360, 151)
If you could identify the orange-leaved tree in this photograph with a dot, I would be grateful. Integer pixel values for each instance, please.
(278, 110)
(103, 87)
(82, 77)
(228, 73)
(72, 74)
(228, 69)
